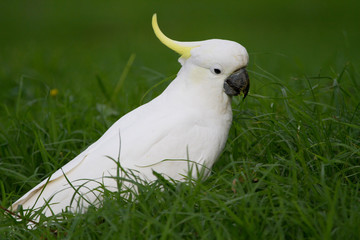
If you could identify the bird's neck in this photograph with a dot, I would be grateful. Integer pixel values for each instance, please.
(198, 93)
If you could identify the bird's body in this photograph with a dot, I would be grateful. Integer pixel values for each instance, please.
(183, 129)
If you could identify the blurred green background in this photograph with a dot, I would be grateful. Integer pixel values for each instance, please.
(72, 41)
(70, 45)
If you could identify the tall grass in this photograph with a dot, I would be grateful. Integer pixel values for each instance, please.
(290, 168)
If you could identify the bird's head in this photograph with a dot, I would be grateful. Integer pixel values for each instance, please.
(220, 61)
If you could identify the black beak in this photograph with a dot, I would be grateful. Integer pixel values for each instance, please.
(237, 82)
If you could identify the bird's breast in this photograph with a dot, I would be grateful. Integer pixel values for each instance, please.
(169, 141)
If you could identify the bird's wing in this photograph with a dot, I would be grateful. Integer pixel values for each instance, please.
(58, 174)
(73, 164)
(144, 137)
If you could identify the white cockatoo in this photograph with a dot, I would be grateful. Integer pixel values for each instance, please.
(186, 125)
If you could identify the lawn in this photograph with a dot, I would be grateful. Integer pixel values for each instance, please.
(291, 166)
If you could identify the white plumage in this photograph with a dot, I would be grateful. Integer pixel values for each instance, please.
(190, 120)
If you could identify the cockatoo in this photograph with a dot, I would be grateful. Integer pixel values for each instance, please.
(178, 133)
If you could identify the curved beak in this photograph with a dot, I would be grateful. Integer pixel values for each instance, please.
(237, 82)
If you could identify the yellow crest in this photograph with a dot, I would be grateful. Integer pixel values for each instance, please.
(178, 47)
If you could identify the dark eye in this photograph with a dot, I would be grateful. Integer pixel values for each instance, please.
(217, 71)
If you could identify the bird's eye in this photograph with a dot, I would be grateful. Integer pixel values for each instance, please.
(216, 70)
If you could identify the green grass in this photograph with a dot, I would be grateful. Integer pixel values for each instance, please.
(290, 169)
